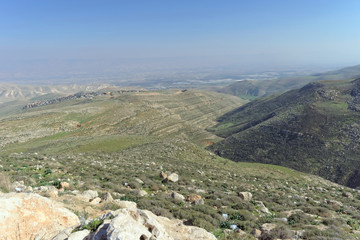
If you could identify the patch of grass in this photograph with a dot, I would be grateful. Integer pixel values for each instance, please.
(4, 182)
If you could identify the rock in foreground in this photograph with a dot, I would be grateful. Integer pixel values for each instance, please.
(134, 224)
(30, 216)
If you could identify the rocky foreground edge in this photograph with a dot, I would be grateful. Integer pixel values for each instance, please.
(31, 216)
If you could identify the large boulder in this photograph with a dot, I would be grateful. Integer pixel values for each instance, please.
(177, 196)
(245, 196)
(193, 197)
(31, 216)
(135, 224)
(90, 194)
(347, 195)
(173, 177)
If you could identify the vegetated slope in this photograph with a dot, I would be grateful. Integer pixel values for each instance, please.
(144, 115)
(314, 129)
(253, 89)
(109, 143)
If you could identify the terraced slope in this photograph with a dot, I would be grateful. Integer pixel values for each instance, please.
(146, 115)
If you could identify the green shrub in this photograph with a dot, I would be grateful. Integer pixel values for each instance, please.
(56, 183)
(299, 218)
(92, 226)
(225, 225)
(236, 216)
(129, 198)
(47, 172)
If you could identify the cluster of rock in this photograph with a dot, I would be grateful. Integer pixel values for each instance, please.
(51, 191)
(31, 216)
(191, 199)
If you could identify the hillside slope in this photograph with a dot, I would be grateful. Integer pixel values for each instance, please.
(124, 144)
(142, 114)
(254, 89)
(314, 129)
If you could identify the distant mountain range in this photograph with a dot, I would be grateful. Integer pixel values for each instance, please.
(314, 129)
(254, 89)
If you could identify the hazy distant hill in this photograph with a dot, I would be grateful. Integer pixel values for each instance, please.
(14, 97)
(315, 129)
(254, 89)
(11, 92)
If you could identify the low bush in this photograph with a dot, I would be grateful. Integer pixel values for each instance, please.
(280, 232)
(298, 219)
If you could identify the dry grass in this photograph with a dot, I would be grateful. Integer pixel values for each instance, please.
(4, 182)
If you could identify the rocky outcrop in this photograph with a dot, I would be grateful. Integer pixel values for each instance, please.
(30, 216)
(131, 223)
(134, 224)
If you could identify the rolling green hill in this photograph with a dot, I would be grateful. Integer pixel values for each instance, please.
(253, 89)
(314, 129)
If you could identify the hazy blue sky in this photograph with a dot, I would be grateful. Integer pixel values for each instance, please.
(277, 31)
